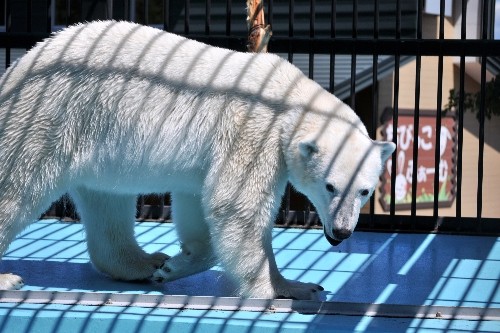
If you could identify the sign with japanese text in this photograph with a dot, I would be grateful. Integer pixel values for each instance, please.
(426, 166)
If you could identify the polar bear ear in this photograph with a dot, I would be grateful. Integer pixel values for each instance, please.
(307, 148)
(386, 149)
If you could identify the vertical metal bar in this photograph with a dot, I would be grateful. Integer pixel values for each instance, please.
(482, 107)
(373, 132)
(65, 211)
(68, 12)
(29, 7)
(131, 12)
(291, 21)
(110, 9)
(146, 11)
(166, 15)
(8, 27)
(312, 26)
(333, 34)
(460, 110)
(481, 144)
(49, 17)
(395, 115)
(186, 16)
(398, 19)
(312, 18)
(395, 135)
(81, 11)
(270, 13)
(161, 215)
(141, 207)
(355, 19)
(228, 17)
(286, 213)
(439, 97)
(208, 13)
(416, 120)
(353, 55)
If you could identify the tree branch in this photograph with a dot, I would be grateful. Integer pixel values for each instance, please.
(258, 33)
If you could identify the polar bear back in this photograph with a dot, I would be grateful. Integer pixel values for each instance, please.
(126, 48)
(111, 98)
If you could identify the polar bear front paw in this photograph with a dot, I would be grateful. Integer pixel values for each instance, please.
(158, 259)
(195, 257)
(300, 291)
(173, 269)
(10, 282)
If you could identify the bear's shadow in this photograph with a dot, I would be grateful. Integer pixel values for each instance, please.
(62, 276)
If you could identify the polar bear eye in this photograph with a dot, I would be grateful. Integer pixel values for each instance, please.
(365, 192)
(330, 188)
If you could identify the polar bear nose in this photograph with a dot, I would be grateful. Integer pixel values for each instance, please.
(332, 241)
(342, 234)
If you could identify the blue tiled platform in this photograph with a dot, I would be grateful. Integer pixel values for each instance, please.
(378, 272)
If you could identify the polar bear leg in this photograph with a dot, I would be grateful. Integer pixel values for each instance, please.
(197, 254)
(10, 225)
(109, 220)
(241, 230)
(22, 201)
(246, 253)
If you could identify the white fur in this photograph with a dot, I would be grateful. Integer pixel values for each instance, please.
(108, 110)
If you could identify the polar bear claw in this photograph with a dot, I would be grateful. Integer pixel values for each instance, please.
(10, 281)
(301, 291)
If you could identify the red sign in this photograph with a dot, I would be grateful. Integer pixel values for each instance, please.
(426, 166)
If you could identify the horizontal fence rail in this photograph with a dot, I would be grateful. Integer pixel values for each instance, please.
(330, 41)
(348, 46)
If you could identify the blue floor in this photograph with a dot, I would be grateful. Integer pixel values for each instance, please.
(455, 272)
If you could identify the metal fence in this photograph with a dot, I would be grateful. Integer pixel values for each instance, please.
(348, 47)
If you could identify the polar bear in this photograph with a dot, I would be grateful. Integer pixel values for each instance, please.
(108, 110)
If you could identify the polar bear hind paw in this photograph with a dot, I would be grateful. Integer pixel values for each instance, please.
(10, 282)
(300, 291)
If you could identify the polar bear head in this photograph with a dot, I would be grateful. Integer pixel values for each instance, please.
(332, 160)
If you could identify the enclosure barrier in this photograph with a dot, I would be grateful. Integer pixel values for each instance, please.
(323, 34)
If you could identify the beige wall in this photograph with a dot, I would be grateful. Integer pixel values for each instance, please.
(428, 100)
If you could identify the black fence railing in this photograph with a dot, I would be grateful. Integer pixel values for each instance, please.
(360, 44)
